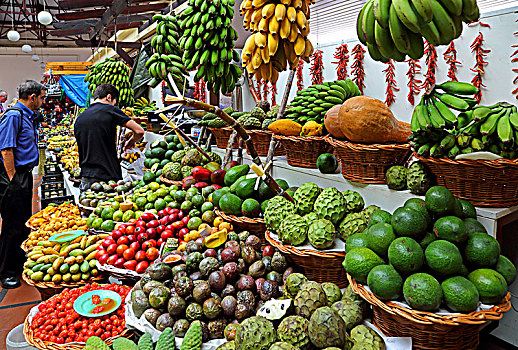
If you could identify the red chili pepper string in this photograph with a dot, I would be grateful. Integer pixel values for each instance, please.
(317, 67)
(515, 70)
(274, 94)
(413, 84)
(431, 63)
(300, 78)
(202, 87)
(480, 54)
(342, 55)
(256, 94)
(265, 90)
(390, 75)
(358, 71)
(450, 55)
(258, 83)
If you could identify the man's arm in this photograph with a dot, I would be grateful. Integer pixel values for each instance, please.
(8, 157)
(138, 133)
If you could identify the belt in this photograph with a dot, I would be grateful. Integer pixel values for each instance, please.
(23, 168)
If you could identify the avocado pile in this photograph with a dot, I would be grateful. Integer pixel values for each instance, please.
(310, 316)
(240, 197)
(212, 286)
(317, 215)
(106, 191)
(430, 252)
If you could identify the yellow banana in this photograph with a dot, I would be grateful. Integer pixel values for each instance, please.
(300, 45)
(268, 10)
(260, 40)
(304, 8)
(275, 76)
(263, 25)
(294, 32)
(286, 2)
(258, 3)
(273, 26)
(256, 16)
(290, 52)
(266, 71)
(296, 3)
(273, 44)
(285, 28)
(258, 75)
(245, 5)
(265, 54)
(247, 20)
(291, 13)
(301, 20)
(305, 32)
(308, 50)
(280, 12)
(250, 68)
(249, 47)
(257, 59)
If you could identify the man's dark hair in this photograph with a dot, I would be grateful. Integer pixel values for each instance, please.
(104, 90)
(29, 87)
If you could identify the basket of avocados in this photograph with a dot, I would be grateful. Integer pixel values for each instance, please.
(303, 151)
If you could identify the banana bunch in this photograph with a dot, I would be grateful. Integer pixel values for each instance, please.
(115, 73)
(208, 43)
(160, 65)
(279, 36)
(437, 131)
(143, 105)
(396, 28)
(167, 35)
(312, 103)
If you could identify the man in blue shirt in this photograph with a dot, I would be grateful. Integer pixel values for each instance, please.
(19, 155)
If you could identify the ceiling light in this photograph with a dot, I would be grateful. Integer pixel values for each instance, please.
(45, 18)
(35, 58)
(27, 48)
(13, 35)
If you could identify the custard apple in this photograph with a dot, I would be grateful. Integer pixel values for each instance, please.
(217, 123)
(330, 205)
(310, 297)
(332, 291)
(311, 217)
(351, 224)
(277, 209)
(350, 312)
(258, 113)
(186, 171)
(293, 230)
(192, 157)
(214, 156)
(266, 123)
(395, 177)
(255, 333)
(172, 171)
(322, 234)
(282, 346)
(354, 201)
(418, 179)
(230, 345)
(293, 284)
(326, 328)
(305, 197)
(252, 123)
(363, 336)
(367, 212)
(350, 295)
(294, 330)
(178, 156)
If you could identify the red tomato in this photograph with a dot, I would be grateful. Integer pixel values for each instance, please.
(132, 221)
(159, 242)
(167, 234)
(123, 240)
(140, 255)
(107, 242)
(129, 254)
(148, 244)
(130, 265)
(153, 223)
(163, 221)
(139, 230)
(112, 249)
(135, 245)
(185, 220)
(142, 237)
(132, 238)
(183, 232)
(160, 229)
(147, 216)
(152, 253)
(169, 210)
(120, 263)
(121, 249)
(180, 215)
(151, 232)
(177, 225)
(141, 267)
(116, 234)
(100, 252)
(172, 217)
(130, 230)
(161, 213)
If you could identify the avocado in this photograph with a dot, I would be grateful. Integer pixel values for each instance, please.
(265, 192)
(148, 177)
(230, 204)
(158, 152)
(380, 216)
(250, 208)
(234, 185)
(171, 147)
(440, 201)
(482, 250)
(359, 262)
(443, 257)
(460, 295)
(159, 271)
(169, 154)
(385, 282)
(422, 292)
(490, 284)
(327, 163)
(379, 237)
(282, 184)
(408, 223)
(169, 138)
(357, 240)
(216, 196)
(419, 205)
(468, 210)
(473, 226)
(245, 188)
(451, 228)
(427, 239)
(406, 255)
(506, 268)
(235, 173)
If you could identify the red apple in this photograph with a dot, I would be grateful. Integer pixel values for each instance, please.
(164, 221)
(183, 232)
(142, 237)
(152, 253)
(112, 259)
(185, 220)
(135, 245)
(120, 263)
(121, 249)
(123, 240)
(129, 254)
(148, 244)
(132, 238)
(218, 176)
(116, 234)
(140, 255)
(103, 258)
(130, 265)
(107, 242)
(216, 187)
(141, 267)
(100, 252)
(112, 249)
(200, 185)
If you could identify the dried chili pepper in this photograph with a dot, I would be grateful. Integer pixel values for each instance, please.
(478, 69)
(431, 63)
(203, 89)
(265, 89)
(391, 83)
(450, 56)
(358, 71)
(413, 84)
(274, 94)
(515, 70)
(317, 67)
(300, 78)
(342, 55)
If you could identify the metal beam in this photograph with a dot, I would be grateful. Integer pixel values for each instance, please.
(111, 44)
(70, 16)
(79, 31)
(124, 55)
(87, 23)
(114, 11)
(78, 4)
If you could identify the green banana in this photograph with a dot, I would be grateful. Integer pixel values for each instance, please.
(481, 113)
(443, 22)
(384, 41)
(489, 126)
(424, 9)
(436, 118)
(399, 33)
(407, 14)
(448, 116)
(454, 152)
(477, 144)
(424, 118)
(463, 140)
(457, 87)
(447, 142)
(368, 22)
(504, 130)
(381, 12)
(424, 150)
(513, 118)
(469, 7)
(452, 101)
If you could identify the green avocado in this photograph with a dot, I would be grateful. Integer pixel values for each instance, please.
(158, 152)
(357, 240)
(235, 173)
(490, 284)
(216, 196)
(451, 228)
(482, 250)
(474, 226)
(408, 223)
(422, 292)
(440, 201)
(245, 188)
(443, 257)
(460, 295)
(385, 282)
(406, 255)
(419, 205)
(468, 210)
(379, 237)
(327, 163)
(230, 204)
(506, 268)
(359, 262)
(380, 216)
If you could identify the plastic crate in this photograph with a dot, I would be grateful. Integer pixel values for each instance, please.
(56, 200)
(52, 168)
(52, 186)
(53, 178)
(53, 193)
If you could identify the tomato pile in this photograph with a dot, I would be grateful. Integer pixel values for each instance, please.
(136, 244)
(57, 322)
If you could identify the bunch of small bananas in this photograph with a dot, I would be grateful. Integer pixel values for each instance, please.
(143, 105)
(160, 65)
(392, 29)
(115, 73)
(437, 131)
(208, 43)
(280, 30)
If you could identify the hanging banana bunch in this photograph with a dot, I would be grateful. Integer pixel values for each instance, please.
(279, 36)
(208, 43)
(115, 73)
(168, 55)
(396, 28)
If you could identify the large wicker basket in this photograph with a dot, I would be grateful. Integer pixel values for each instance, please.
(169, 182)
(49, 289)
(255, 226)
(261, 140)
(222, 135)
(46, 345)
(485, 183)
(429, 330)
(316, 265)
(368, 163)
(303, 151)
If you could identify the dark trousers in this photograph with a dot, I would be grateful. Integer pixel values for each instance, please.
(16, 209)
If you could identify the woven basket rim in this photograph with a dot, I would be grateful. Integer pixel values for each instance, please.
(259, 131)
(366, 146)
(46, 345)
(299, 138)
(240, 219)
(125, 273)
(472, 162)
(424, 317)
(288, 249)
(52, 285)
(169, 182)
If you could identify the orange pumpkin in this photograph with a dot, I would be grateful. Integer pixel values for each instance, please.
(368, 120)
(332, 122)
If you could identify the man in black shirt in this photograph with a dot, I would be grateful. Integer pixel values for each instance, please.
(96, 130)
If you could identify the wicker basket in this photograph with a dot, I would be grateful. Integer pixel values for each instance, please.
(222, 135)
(485, 183)
(429, 330)
(368, 163)
(261, 140)
(49, 289)
(170, 182)
(128, 277)
(45, 345)
(316, 265)
(255, 226)
(303, 151)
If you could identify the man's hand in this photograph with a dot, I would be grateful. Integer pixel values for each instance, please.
(8, 157)
(129, 144)
(138, 132)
